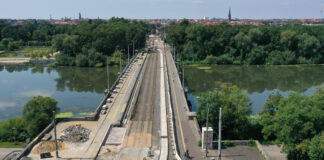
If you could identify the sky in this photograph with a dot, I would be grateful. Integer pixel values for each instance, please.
(146, 9)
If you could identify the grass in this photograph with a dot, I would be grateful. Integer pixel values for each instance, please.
(69, 114)
(27, 51)
(251, 143)
(10, 145)
(205, 68)
(64, 115)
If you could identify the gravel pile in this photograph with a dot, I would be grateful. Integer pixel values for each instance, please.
(75, 134)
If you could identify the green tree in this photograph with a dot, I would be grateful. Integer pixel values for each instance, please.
(308, 45)
(316, 148)
(81, 60)
(236, 109)
(38, 113)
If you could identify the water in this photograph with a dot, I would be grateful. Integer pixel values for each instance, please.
(257, 81)
(77, 90)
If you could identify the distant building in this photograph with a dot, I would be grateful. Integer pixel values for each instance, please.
(229, 16)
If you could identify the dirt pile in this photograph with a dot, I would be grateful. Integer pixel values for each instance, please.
(48, 146)
(75, 134)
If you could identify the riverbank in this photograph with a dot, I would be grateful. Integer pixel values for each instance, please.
(14, 60)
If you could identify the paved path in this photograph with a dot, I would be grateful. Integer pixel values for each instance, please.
(273, 151)
(5, 151)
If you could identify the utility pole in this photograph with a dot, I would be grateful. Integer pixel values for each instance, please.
(108, 88)
(120, 62)
(220, 134)
(133, 49)
(206, 135)
(182, 75)
(56, 151)
(128, 54)
(14, 135)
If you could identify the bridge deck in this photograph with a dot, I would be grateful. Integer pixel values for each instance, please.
(100, 128)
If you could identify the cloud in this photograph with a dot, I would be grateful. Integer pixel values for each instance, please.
(5, 105)
(34, 93)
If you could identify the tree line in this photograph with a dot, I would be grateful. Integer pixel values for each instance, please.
(85, 44)
(226, 44)
(296, 121)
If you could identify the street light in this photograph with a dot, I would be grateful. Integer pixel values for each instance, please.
(55, 139)
(14, 135)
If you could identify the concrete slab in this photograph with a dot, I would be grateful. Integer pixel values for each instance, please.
(274, 152)
(116, 136)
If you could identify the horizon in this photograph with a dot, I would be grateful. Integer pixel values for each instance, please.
(167, 9)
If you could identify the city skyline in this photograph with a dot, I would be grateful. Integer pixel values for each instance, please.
(159, 9)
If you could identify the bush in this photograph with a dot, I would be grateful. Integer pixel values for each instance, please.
(199, 143)
(251, 143)
(81, 60)
(64, 60)
(229, 144)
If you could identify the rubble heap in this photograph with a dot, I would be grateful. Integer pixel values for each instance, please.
(75, 134)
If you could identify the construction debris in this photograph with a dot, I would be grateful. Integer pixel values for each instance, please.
(75, 134)
(48, 146)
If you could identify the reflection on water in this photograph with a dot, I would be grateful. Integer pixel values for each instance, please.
(258, 81)
(76, 89)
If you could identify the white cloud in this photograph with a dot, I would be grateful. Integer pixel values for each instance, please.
(5, 105)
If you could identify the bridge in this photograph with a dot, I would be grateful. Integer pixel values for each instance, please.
(143, 116)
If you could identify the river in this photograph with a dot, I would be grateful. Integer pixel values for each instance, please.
(77, 90)
(257, 81)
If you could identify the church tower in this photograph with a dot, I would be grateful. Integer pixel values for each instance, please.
(229, 16)
(80, 18)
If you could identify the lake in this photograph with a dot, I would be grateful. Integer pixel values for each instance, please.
(77, 90)
(257, 81)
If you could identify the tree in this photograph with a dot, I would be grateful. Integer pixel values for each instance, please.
(81, 60)
(242, 43)
(256, 35)
(293, 121)
(308, 45)
(236, 109)
(316, 148)
(256, 56)
(38, 113)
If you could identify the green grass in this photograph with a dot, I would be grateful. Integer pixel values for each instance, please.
(205, 68)
(64, 115)
(193, 65)
(69, 114)
(27, 51)
(11, 145)
(83, 113)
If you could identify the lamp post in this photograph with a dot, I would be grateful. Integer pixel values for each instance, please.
(55, 139)
(220, 134)
(206, 137)
(14, 135)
